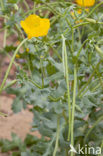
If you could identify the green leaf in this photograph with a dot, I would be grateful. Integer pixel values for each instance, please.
(17, 105)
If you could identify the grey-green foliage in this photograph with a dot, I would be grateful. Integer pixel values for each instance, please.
(41, 81)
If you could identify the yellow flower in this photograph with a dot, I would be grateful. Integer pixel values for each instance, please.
(17, 56)
(34, 26)
(79, 11)
(27, 50)
(85, 3)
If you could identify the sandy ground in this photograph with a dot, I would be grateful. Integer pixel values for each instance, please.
(19, 123)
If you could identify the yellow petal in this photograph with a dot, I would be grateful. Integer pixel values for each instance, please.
(34, 26)
(85, 3)
(17, 56)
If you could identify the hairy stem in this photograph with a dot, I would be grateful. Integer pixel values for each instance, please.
(5, 35)
(10, 65)
(73, 107)
(66, 74)
(57, 137)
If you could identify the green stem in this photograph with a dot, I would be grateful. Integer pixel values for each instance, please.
(72, 40)
(65, 117)
(68, 91)
(90, 78)
(99, 51)
(99, 75)
(101, 147)
(91, 12)
(10, 65)
(96, 87)
(29, 64)
(79, 51)
(80, 24)
(4, 16)
(34, 83)
(54, 99)
(69, 24)
(2, 5)
(10, 84)
(79, 34)
(26, 4)
(52, 9)
(85, 91)
(42, 70)
(34, 7)
(57, 137)
(43, 7)
(5, 27)
(5, 35)
(56, 52)
(93, 21)
(66, 74)
(90, 130)
(54, 19)
(19, 29)
(8, 55)
(73, 108)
